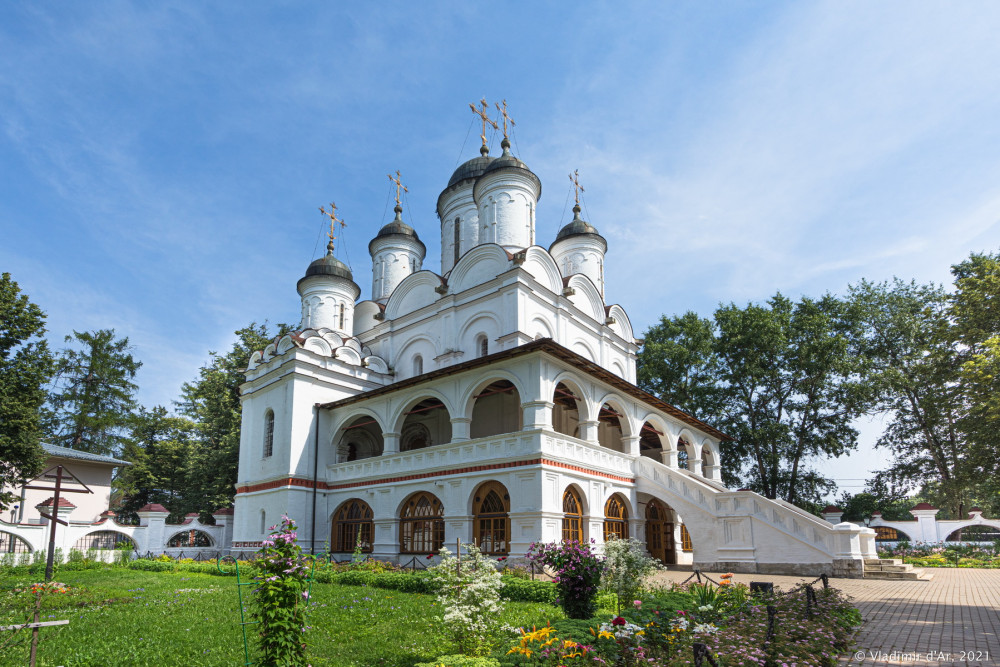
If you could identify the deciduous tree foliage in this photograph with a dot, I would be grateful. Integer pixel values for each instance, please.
(780, 378)
(94, 397)
(160, 449)
(25, 367)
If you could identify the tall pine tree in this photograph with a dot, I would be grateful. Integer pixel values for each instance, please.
(93, 400)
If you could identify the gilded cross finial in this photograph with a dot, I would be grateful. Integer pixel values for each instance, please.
(575, 178)
(399, 184)
(486, 119)
(334, 220)
(506, 118)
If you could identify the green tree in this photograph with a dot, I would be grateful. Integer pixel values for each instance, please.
(780, 378)
(678, 364)
(25, 367)
(94, 396)
(881, 494)
(160, 450)
(213, 402)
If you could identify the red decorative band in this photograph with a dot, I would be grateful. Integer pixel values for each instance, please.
(307, 483)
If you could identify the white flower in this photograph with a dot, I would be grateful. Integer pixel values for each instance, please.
(706, 607)
(706, 629)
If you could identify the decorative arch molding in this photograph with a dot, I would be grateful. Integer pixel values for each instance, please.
(586, 297)
(318, 345)
(483, 323)
(585, 401)
(621, 325)
(540, 328)
(398, 416)
(376, 364)
(256, 359)
(543, 268)
(415, 292)
(469, 395)
(347, 355)
(285, 344)
(581, 347)
(622, 406)
(481, 264)
(618, 369)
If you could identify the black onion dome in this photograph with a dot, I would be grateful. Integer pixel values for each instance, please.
(578, 227)
(397, 228)
(329, 266)
(474, 168)
(508, 161)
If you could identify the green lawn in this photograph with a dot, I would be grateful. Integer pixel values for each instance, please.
(125, 617)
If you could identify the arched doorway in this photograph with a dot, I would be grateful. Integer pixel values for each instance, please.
(491, 524)
(427, 423)
(497, 409)
(362, 439)
(565, 411)
(615, 518)
(421, 524)
(352, 524)
(572, 523)
(660, 532)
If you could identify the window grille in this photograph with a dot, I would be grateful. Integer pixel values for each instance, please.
(351, 523)
(190, 539)
(103, 539)
(572, 523)
(12, 544)
(492, 521)
(615, 519)
(421, 525)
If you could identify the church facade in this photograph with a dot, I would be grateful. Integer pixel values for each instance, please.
(493, 403)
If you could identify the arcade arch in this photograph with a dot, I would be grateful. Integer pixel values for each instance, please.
(360, 439)
(497, 409)
(425, 424)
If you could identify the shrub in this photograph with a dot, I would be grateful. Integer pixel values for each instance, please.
(626, 565)
(578, 573)
(459, 661)
(468, 589)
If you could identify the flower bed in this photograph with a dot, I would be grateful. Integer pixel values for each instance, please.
(733, 626)
(957, 554)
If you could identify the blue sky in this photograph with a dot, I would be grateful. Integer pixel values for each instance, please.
(161, 164)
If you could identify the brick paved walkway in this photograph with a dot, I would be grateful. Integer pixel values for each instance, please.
(923, 622)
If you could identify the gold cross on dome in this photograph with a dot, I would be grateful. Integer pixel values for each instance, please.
(506, 118)
(334, 220)
(575, 177)
(486, 119)
(399, 184)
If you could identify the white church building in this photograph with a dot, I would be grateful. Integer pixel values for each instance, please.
(495, 403)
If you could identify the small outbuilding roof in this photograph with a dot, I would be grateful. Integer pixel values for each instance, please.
(67, 453)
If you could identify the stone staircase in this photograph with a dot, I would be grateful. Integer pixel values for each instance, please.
(893, 568)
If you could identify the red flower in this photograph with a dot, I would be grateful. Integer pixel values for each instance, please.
(429, 556)
(618, 621)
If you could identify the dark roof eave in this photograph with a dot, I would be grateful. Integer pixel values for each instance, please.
(548, 346)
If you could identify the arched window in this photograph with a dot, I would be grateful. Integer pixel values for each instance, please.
(491, 529)
(418, 365)
(12, 544)
(660, 532)
(887, 534)
(190, 539)
(263, 522)
(482, 345)
(352, 523)
(268, 433)
(686, 539)
(572, 523)
(458, 239)
(341, 318)
(421, 525)
(103, 539)
(615, 518)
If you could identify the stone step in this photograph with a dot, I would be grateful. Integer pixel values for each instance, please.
(888, 568)
(883, 561)
(911, 575)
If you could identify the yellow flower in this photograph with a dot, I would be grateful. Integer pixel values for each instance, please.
(604, 634)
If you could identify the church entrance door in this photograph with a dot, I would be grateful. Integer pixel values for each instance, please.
(660, 533)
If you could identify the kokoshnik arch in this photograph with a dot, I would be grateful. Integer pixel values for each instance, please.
(493, 403)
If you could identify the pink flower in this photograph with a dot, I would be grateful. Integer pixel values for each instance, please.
(637, 603)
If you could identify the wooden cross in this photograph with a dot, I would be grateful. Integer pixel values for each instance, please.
(399, 184)
(334, 220)
(486, 119)
(506, 118)
(575, 177)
